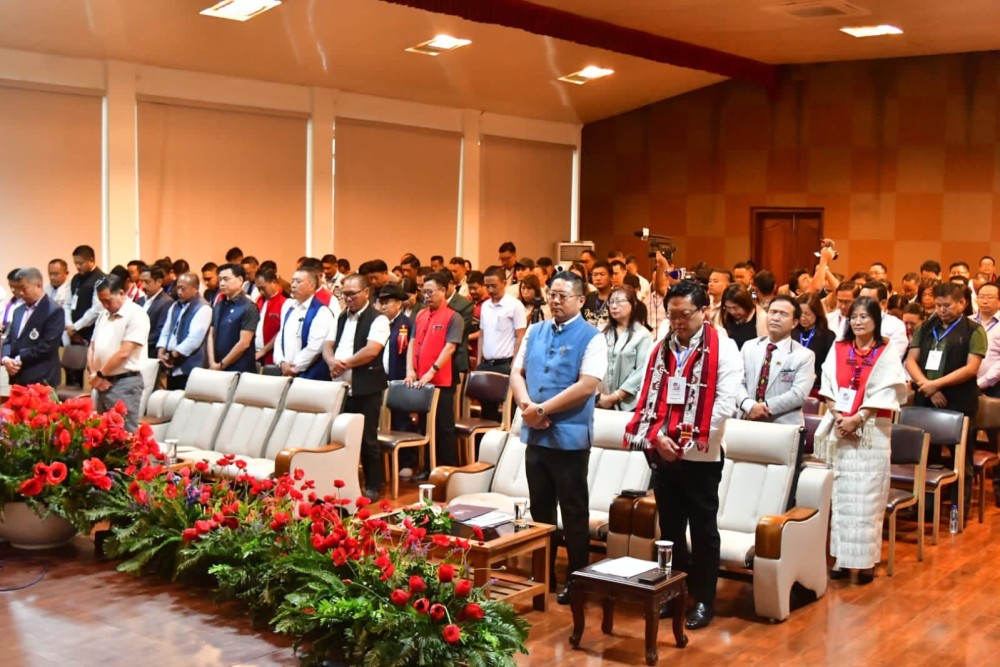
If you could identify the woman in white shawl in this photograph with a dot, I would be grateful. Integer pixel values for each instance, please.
(863, 387)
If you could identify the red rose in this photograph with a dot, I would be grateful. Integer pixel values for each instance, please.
(446, 573)
(417, 584)
(441, 540)
(280, 520)
(478, 532)
(339, 483)
(64, 439)
(31, 487)
(170, 492)
(422, 605)
(56, 473)
(463, 587)
(438, 612)
(473, 611)
(452, 634)
(189, 535)
(399, 597)
(339, 556)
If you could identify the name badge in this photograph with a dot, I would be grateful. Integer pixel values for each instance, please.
(72, 302)
(845, 400)
(933, 361)
(676, 390)
(34, 334)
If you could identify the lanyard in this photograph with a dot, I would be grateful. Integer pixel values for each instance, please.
(856, 367)
(937, 338)
(804, 341)
(989, 326)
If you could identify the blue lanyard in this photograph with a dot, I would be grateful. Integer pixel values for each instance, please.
(937, 338)
(803, 341)
(992, 323)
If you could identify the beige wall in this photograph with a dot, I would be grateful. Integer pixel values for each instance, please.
(902, 155)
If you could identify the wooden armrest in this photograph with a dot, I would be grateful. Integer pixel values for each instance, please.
(283, 461)
(769, 528)
(439, 477)
(153, 421)
(620, 513)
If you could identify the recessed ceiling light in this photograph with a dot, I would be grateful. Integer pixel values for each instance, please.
(239, 10)
(440, 44)
(872, 30)
(586, 75)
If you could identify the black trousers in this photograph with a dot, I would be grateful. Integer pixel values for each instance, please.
(558, 477)
(687, 494)
(492, 410)
(177, 382)
(446, 442)
(369, 406)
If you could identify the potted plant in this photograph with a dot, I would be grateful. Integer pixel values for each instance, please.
(56, 461)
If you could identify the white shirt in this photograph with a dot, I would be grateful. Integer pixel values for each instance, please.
(149, 301)
(992, 325)
(595, 357)
(463, 288)
(378, 333)
(288, 342)
(89, 317)
(59, 295)
(838, 323)
(198, 329)
(644, 286)
(128, 324)
(499, 322)
(894, 329)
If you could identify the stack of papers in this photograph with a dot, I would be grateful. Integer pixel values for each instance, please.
(490, 519)
(624, 567)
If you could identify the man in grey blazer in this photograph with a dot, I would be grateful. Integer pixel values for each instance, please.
(778, 371)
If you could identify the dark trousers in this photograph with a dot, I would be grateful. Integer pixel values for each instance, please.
(687, 494)
(177, 382)
(369, 407)
(446, 449)
(559, 477)
(492, 410)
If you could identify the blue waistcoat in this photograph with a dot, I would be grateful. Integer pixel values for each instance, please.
(227, 316)
(318, 370)
(551, 364)
(199, 357)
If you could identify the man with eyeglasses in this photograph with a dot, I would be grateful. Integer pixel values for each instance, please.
(689, 390)
(234, 324)
(944, 358)
(353, 353)
(836, 319)
(554, 379)
(437, 333)
(778, 372)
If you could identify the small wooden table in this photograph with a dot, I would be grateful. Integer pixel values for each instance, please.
(504, 542)
(611, 589)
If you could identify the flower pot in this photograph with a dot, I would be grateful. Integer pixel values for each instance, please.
(24, 529)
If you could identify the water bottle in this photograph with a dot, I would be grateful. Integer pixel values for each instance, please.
(953, 522)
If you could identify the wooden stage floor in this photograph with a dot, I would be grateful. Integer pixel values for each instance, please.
(942, 612)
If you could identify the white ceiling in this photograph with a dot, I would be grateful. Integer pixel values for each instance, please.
(357, 46)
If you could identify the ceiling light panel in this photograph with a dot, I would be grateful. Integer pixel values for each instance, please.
(440, 44)
(872, 30)
(239, 10)
(586, 75)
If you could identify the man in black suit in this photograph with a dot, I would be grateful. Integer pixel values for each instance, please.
(156, 303)
(31, 348)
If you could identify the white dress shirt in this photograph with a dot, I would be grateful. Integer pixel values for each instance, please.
(989, 369)
(89, 317)
(499, 322)
(288, 342)
(198, 329)
(838, 323)
(791, 378)
(894, 329)
(595, 356)
(378, 333)
(59, 295)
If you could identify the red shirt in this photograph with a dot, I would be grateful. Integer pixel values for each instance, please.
(270, 315)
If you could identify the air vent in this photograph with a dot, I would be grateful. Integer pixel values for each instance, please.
(818, 9)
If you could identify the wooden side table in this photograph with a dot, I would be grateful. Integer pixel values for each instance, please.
(611, 589)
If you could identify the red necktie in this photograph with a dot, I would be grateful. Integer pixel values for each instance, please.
(403, 339)
(765, 373)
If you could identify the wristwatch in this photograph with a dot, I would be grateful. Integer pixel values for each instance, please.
(539, 410)
(435, 367)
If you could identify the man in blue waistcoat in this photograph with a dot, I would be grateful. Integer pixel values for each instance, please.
(554, 379)
(305, 324)
(234, 324)
(183, 341)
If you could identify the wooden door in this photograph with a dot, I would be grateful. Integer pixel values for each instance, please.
(785, 238)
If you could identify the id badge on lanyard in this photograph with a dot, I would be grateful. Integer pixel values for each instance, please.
(845, 399)
(677, 384)
(933, 362)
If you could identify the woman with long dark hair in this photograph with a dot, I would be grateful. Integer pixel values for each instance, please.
(741, 317)
(863, 386)
(531, 297)
(628, 346)
(814, 333)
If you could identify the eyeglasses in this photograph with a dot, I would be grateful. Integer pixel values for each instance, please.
(681, 315)
(561, 296)
(351, 295)
(428, 292)
(618, 302)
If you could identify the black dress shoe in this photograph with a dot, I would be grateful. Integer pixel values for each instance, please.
(372, 495)
(839, 574)
(865, 576)
(699, 617)
(564, 597)
(420, 477)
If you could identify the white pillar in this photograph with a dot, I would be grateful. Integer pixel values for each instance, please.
(467, 240)
(120, 225)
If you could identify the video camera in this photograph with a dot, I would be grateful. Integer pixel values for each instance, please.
(658, 243)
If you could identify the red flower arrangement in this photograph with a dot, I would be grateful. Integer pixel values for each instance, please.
(61, 457)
